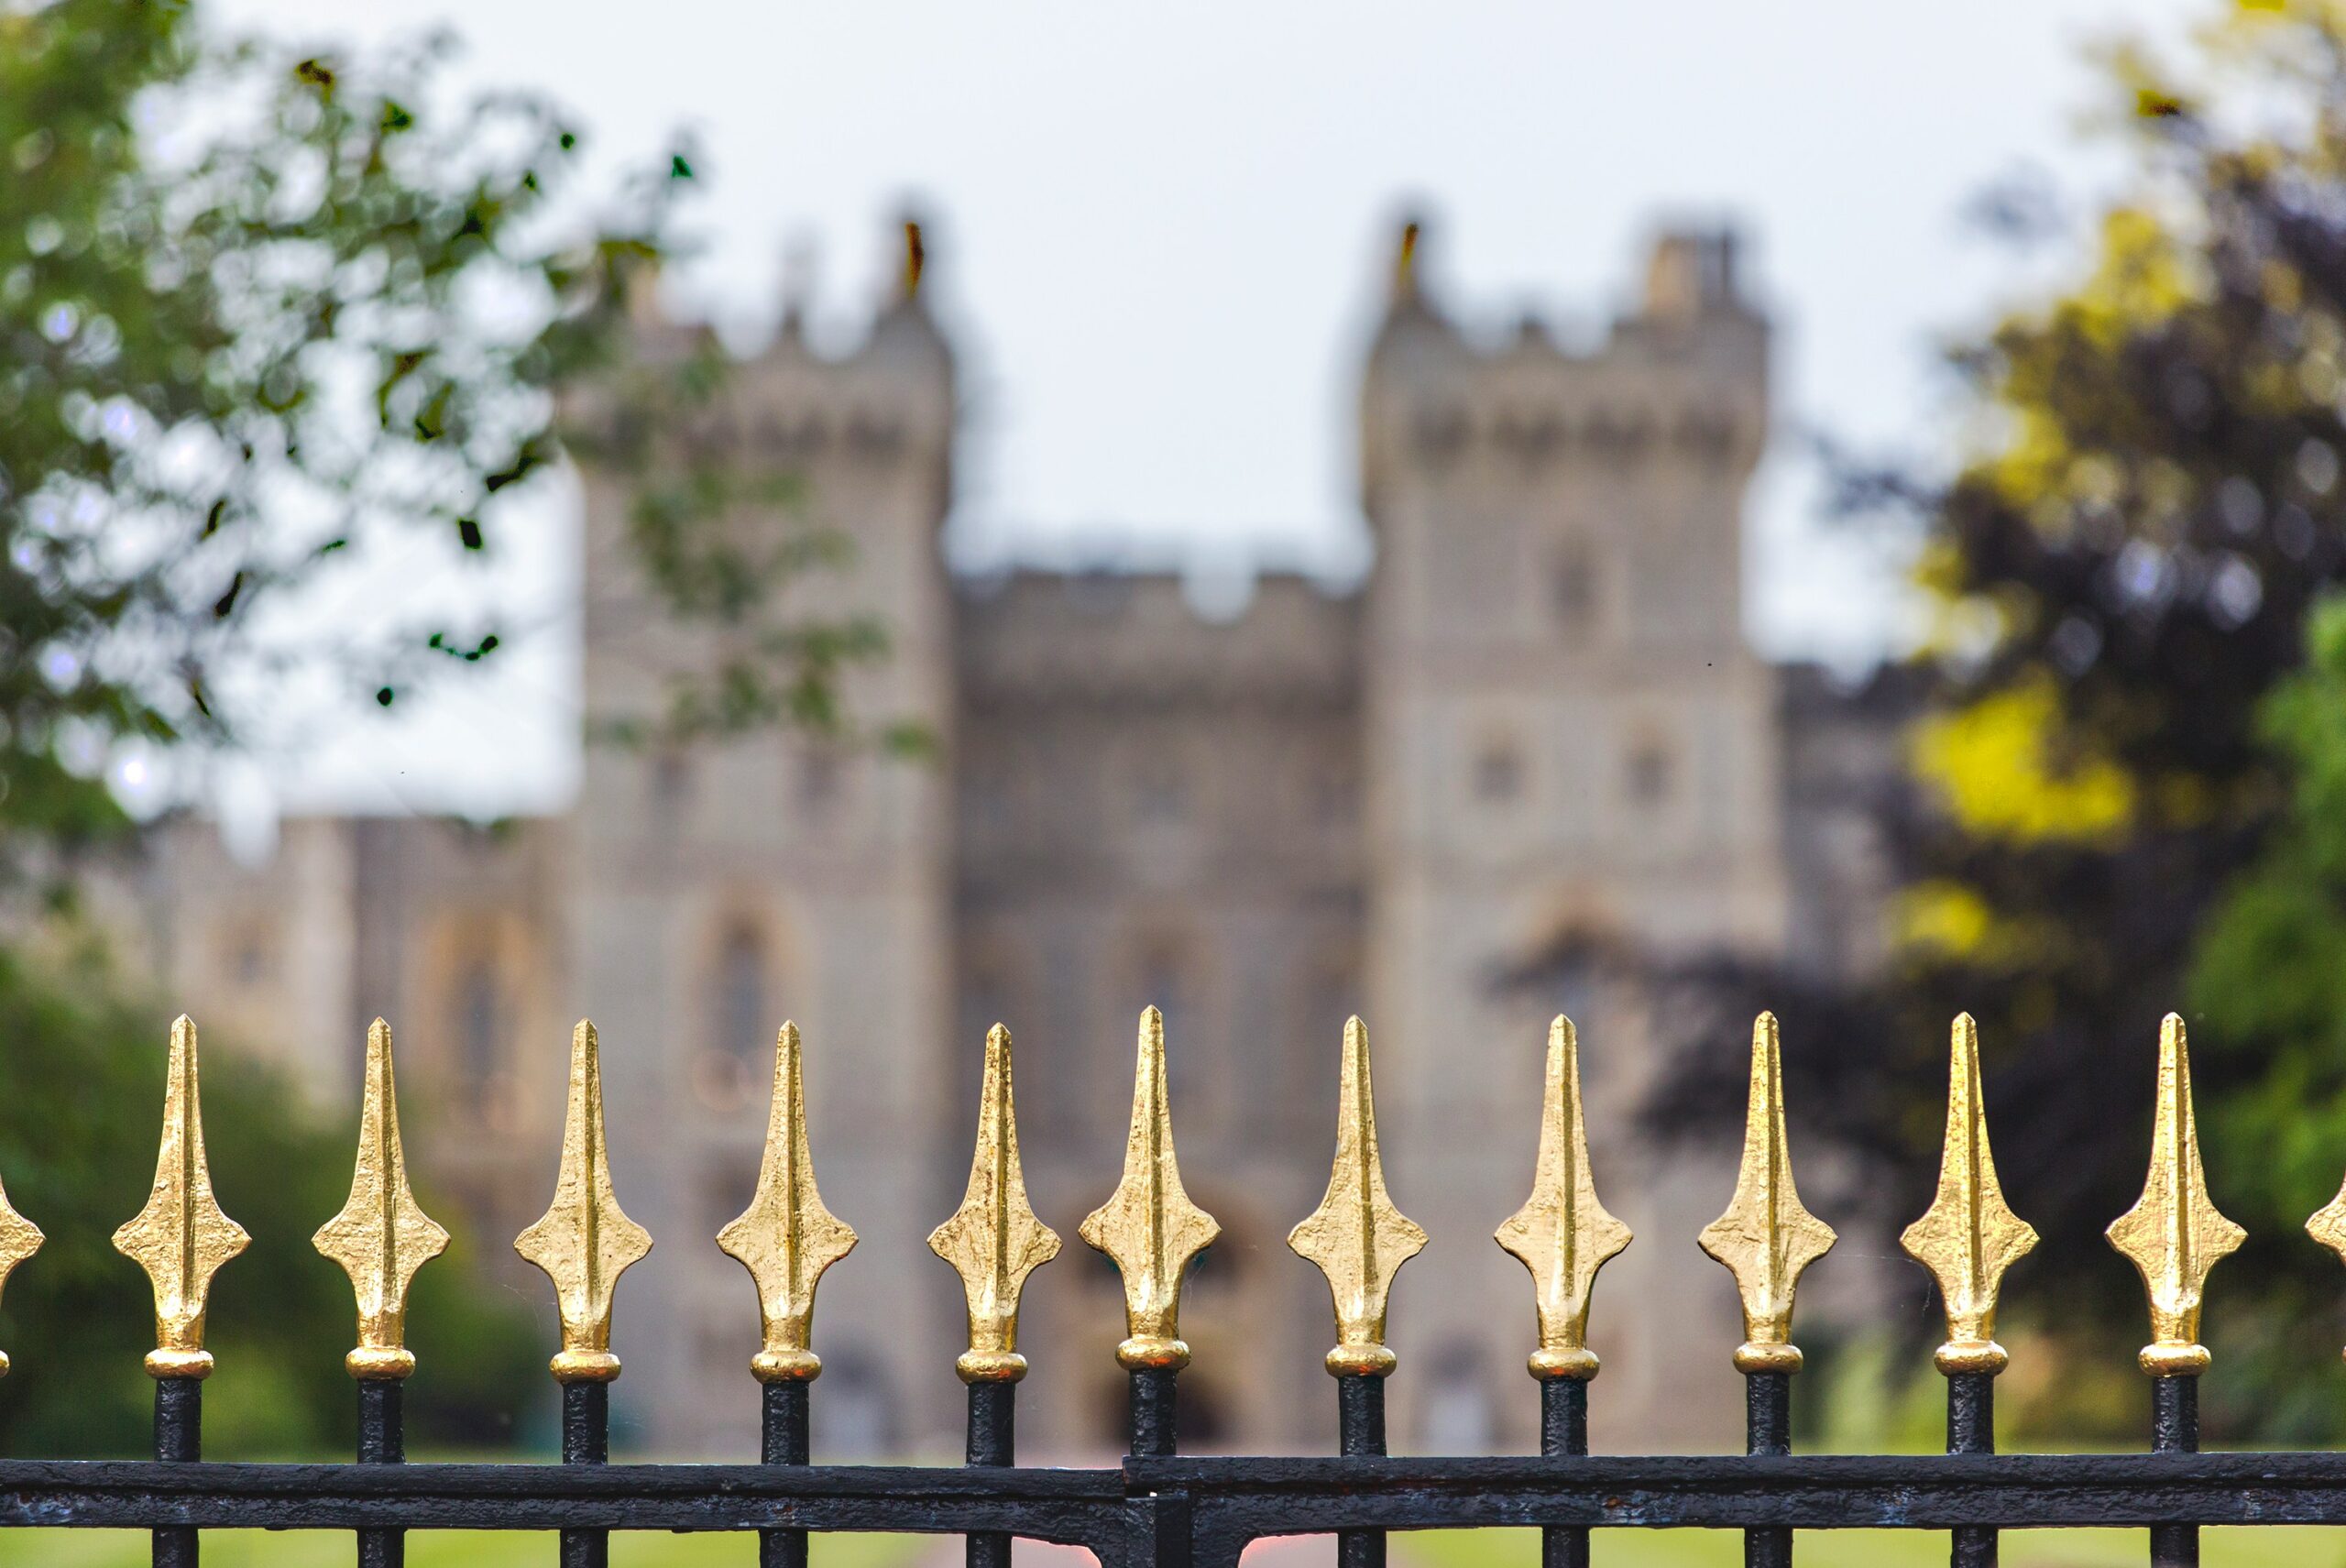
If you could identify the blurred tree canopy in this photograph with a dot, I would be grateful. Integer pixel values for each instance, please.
(2119, 574)
(261, 309)
(263, 313)
(80, 1120)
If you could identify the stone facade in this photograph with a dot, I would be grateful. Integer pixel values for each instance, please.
(1537, 728)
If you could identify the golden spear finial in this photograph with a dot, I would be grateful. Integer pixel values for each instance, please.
(1562, 1233)
(19, 1239)
(1765, 1238)
(2327, 1224)
(585, 1241)
(1148, 1226)
(181, 1239)
(787, 1238)
(993, 1240)
(1969, 1236)
(1356, 1236)
(2173, 1234)
(382, 1237)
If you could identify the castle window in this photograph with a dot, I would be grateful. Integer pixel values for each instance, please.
(1163, 793)
(740, 1010)
(1649, 773)
(820, 772)
(1499, 772)
(1335, 797)
(672, 782)
(479, 1022)
(1573, 587)
(251, 959)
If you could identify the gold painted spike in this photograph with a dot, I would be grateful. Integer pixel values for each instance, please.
(2173, 1234)
(181, 1239)
(382, 1235)
(994, 1240)
(585, 1241)
(1148, 1226)
(2327, 1224)
(19, 1239)
(787, 1238)
(1969, 1236)
(1562, 1233)
(1765, 1238)
(1356, 1236)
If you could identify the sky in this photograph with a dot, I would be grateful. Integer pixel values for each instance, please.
(1158, 235)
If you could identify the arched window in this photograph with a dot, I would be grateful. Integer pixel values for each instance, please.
(477, 1028)
(1499, 771)
(1648, 772)
(1572, 586)
(739, 1014)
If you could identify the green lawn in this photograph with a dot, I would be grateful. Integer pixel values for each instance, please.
(434, 1549)
(2271, 1547)
(2264, 1547)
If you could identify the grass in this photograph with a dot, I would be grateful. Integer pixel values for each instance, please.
(2264, 1547)
(435, 1549)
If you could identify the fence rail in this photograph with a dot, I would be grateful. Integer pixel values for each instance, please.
(1159, 1510)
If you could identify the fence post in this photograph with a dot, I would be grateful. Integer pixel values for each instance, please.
(993, 1241)
(2174, 1236)
(1564, 1236)
(380, 1238)
(181, 1239)
(1765, 1238)
(584, 1243)
(1360, 1241)
(1152, 1231)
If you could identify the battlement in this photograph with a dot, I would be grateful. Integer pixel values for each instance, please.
(1679, 383)
(885, 399)
(1139, 637)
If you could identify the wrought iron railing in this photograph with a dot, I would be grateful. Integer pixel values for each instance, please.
(1158, 1511)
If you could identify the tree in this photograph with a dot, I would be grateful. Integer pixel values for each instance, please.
(2120, 571)
(80, 1124)
(263, 311)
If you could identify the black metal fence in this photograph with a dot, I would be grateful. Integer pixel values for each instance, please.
(1157, 1509)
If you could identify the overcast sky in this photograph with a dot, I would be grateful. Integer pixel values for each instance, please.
(1159, 232)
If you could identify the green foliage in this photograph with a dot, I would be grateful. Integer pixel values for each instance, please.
(2270, 981)
(266, 312)
(2121, 572)
(79, 1127)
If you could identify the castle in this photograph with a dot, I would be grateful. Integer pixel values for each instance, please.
(1536, 732)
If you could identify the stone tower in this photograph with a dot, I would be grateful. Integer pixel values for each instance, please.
(722, 887)
(1571, 753)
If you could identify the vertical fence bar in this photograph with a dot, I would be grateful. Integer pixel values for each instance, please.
(179, 1439)
(786, 1442)
(2175, 1429)
(993, 1241)
(1152, 1396)
(181, 1239)
(1971, 1429)
(1564, 1236)
(382, 1440)
(1768, 1428)
(1359, 1240)
(993, 1439)
(1765, 1239)
(1360, 1417)
(1967, 1238)
(1563, 1434)
(586, 1440)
